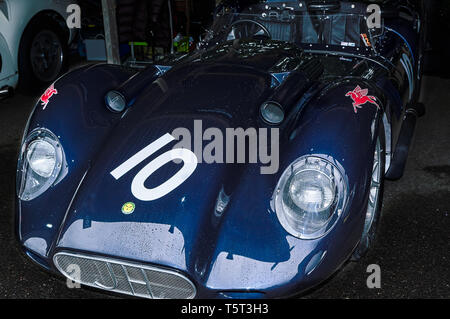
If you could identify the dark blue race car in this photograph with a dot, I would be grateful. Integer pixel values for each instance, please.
(111, 194)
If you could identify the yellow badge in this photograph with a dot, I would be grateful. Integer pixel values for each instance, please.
(128, 208)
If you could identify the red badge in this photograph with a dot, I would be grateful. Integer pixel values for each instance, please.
(360, 98)
(45, 98)
(366, 40)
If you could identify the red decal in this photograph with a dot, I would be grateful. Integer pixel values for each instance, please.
(360, 98)
(366, 40)
(45, 98)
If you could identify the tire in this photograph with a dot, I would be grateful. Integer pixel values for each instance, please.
(375, 199)
(42, 54)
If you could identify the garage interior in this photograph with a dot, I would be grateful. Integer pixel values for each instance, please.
(415, 245)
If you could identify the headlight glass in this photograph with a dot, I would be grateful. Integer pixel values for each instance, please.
(41, 156)
(40, 164)
(310, 197)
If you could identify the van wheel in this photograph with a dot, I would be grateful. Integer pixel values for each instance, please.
(42, 54)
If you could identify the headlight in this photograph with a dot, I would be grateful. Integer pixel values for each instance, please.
(40, 164)
(41, 156)
(310, 197)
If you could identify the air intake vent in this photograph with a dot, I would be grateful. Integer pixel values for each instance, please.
(126, 278)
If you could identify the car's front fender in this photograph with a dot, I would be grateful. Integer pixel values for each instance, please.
(80, 119)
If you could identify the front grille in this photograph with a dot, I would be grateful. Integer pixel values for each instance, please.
(123, 277)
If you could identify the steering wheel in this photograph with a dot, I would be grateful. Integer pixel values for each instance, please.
(241, 29)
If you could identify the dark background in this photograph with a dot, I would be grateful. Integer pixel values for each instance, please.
(414, 241)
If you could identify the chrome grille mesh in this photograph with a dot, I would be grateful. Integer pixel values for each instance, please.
(126, 278)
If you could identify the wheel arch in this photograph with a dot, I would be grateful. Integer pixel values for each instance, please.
(52, 15)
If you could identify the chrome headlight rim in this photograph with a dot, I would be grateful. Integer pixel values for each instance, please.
(24, 169)
(339, 202)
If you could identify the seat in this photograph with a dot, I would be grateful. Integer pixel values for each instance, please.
(282, 25)
(341, 26)
(341, 29)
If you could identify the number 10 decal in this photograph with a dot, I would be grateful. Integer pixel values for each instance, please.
(150, 194)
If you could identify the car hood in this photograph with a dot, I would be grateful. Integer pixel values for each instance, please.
(182, 229)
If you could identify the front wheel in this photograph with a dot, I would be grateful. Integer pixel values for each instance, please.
(375, 200)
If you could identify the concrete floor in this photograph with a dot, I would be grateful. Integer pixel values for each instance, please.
(413, 249)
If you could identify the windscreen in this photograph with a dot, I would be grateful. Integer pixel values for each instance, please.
(343, 28)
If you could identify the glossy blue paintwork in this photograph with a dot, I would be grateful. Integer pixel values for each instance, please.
(245, 252)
